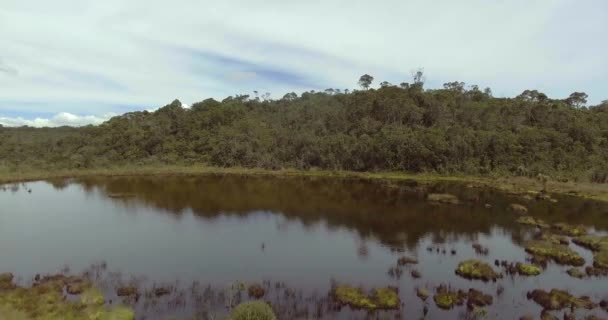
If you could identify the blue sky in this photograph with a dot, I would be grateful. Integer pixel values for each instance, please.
(79, 62)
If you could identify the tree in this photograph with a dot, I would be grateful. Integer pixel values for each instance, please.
(577, 99)
(365, 81)
(290, 96)
(454, 86)
(385, 84)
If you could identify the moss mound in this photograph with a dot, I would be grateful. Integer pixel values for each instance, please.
(561, 254)
(592, 242)
(531, 221)
(256, 310)
(575, 273)
(46, 301)
(600, 258)
(559, 299)
(569, 230)
(446, 299)
(475, 269)
(528, 269)
(382, 298)
(443, 198)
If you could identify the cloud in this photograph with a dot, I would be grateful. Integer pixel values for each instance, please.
(60, 119)
(86, 57)
(8, 69)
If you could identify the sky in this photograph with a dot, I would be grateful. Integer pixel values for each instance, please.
(77, 62)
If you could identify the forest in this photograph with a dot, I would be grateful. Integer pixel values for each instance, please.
(457, 129)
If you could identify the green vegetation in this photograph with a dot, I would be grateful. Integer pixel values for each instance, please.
(255, 310)
(528, 269)
(559, 253)
(559, 299)
(475, 269)
(450, 131)
(382, 298)
(45, 301)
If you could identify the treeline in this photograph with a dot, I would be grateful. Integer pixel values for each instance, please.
(456, 129)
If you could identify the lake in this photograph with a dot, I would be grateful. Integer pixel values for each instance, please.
(208, 237)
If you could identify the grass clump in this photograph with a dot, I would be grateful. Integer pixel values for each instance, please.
(528, 269)
(255, 310)
(475, 269)
(46, 301)
(382, 298)
(561, 254)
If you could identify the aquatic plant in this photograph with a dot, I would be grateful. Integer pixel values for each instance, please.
(45, 301)
(446, 298)
(559, 253)
(591, 242)
(531, 221)
(443, 198)
(569, 230)
(575, 273)
(518, 208)
(528, 269)
(559, 299)
(475, 269)
(382, 298)
(255, 310)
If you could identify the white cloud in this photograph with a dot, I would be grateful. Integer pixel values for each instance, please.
(60, 119)
(76, 55)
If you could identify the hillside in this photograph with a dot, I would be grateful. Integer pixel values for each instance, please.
(393, 128)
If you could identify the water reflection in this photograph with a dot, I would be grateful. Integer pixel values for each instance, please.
(303, 232)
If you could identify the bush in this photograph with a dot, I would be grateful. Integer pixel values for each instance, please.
(256, 310)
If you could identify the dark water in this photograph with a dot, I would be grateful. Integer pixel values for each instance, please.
(298, 233)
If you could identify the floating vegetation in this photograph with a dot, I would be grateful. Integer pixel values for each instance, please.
(575, 273)
(569, 230)
(559, 299)
(443, 198)
(561, 254)
(446, 298)
(531, 221)
(256, 310)
(475, 269)
(518, 208)
(423, 293)
(256, 291)
(46, 300)
(528, 269)
(382, 298)
(554, 238)
(591, 242)
(405, 260)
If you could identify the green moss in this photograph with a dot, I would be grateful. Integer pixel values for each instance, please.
(559, 299)
(518, 208)
(443, 198)
(575, 273)
(559, 253)
(446, 299)
(387, 298)
(554, 238)
(382, 298)
(255, 310)
(569, 230)
(46, 301)
(528, 269)
(475, 269)
(592, 242)
(600, 258)
(531, 221)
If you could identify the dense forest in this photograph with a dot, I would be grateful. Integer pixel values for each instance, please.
(456, 129)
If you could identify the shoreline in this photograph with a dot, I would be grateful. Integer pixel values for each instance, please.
(513, 185)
